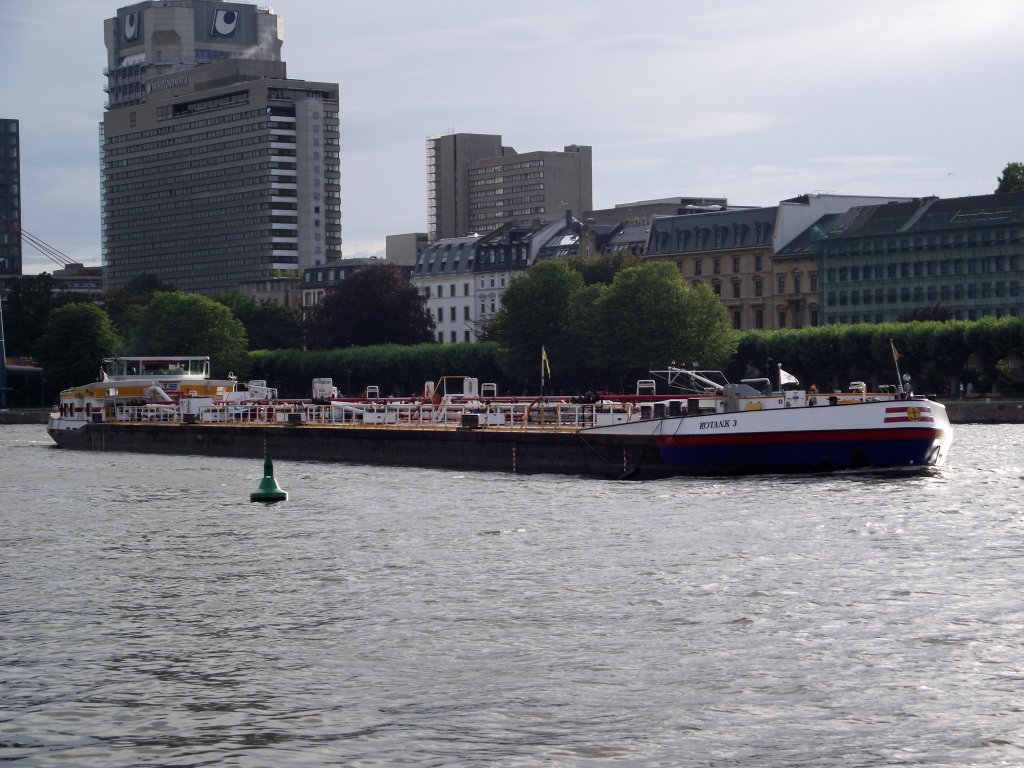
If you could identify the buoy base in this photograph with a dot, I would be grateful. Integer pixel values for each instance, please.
(269, 498)
(269, 491)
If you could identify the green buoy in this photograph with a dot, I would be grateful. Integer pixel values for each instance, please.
(269, 491)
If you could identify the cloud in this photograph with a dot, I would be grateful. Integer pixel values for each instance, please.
(365, 249)
(749, 100)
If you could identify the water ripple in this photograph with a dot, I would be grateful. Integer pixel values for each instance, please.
(151, 616)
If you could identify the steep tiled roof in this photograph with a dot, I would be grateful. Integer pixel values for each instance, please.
(734, 228)
(803, 244)
(929, 214)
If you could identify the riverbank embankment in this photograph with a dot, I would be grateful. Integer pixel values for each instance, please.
(24, 416)
(987, 411)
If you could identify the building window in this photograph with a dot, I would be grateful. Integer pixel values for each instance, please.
(452, 315)
(697, 267)
(440, 337)
(759, 318)
(736, 320)
(440, 314)
(735, 263)
(717, 266)
(782, 318)
(814, 282)
(465, 312)
(797, 280)
(736, 290)
(758, 288)
(782, 285)
(758, 262)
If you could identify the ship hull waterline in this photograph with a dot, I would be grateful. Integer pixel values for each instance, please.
(591, 453)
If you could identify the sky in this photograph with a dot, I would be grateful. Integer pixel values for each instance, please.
(753, 100)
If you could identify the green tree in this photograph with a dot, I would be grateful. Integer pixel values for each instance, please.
(990, 340)
(268, 325)
(189, 324)
(650, 317)
(74, 342)
(374, 305)
(124, 304)
(580, 359)
(531, 317)
(603, 268)
(27, 302)
(1012, 179)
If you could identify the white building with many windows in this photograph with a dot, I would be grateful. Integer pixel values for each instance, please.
(444, 273)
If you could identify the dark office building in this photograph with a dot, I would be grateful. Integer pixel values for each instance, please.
(10, 197)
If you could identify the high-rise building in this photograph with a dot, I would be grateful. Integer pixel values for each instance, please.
(475, 185)
(10, 197)
(217, 169)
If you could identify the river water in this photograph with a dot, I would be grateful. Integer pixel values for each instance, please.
(151, 616)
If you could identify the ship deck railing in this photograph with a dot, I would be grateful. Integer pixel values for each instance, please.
(524, 414)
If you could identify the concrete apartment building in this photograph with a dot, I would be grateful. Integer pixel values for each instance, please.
(10, 197)
(745, 256)
(217, 169)
(642, 211)
(475, 185)
(730, 251)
